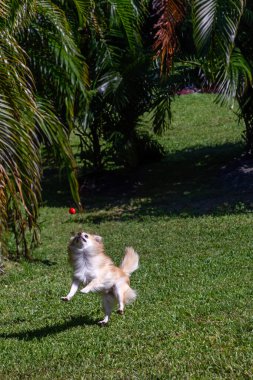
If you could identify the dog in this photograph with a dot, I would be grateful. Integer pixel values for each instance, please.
(92, 267)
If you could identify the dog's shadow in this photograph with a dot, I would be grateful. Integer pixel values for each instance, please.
(49, 330)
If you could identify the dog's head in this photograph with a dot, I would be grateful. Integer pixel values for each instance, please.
(85, 242)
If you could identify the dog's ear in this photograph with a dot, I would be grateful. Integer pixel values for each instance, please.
(72, 233)
(99, 239)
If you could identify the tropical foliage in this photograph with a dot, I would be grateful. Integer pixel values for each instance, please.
(26, 120)
(170, 15)
(46, 88)
(222, 52)
(217, 27)
(123, 86)
(223, 35)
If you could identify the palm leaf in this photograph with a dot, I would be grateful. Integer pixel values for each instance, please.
(4, 9)
(170, 14)
(123, 12)
(215, 25)
(21, 15)
(247, 17)
(84, 9)
(233, 78)
(22, 119)
(20, 173)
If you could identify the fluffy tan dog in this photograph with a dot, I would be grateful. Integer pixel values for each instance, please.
(96, 270)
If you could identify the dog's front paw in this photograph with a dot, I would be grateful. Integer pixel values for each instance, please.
(65, 298)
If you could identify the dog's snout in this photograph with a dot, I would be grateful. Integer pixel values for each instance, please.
(81, 236)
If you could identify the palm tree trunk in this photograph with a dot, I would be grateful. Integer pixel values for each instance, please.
(96, 149)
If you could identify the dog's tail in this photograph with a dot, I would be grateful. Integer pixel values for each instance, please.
(130, 295)
(130, 261)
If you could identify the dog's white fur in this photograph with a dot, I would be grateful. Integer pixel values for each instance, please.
(96, 270)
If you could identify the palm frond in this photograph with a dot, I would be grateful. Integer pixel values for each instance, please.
(21, 15)
(4, 9)
(163, 94)
(20, 171)
(23, 118)
(64, 46)
(84, 9)
(215, 24)
(247, 17)
(58, 19)
(123, 12)
(233, 78)
(15, 76)
(170, 13)
(54, 55)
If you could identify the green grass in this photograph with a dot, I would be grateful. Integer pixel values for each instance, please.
(197, 122)
(193, 318)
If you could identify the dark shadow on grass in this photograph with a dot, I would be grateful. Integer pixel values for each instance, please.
(43, 332)
(192, 182)
(45, 262)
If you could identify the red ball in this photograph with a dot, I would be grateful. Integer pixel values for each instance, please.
(72, 210)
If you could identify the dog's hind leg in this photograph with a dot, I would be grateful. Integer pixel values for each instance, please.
(120, 296)
(108, 303)
(124, 295)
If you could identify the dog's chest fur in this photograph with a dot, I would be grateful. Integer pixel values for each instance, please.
(87, 267)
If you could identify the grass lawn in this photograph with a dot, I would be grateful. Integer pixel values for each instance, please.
(193, 318)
